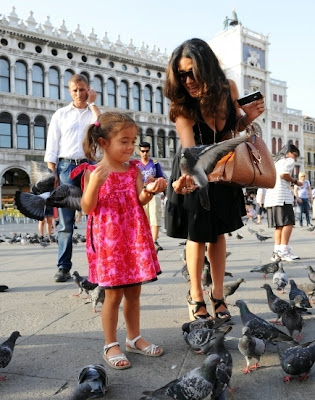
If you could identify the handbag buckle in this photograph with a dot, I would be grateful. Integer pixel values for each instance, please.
(256, 156)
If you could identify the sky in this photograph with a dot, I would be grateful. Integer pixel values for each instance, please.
(167, 23)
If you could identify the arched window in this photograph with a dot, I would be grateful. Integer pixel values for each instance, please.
(136, 97)
(279, 144)
(68, 75)
(38, 80)
(148, 137)
(22, 131)
(273, 146)
(148, 98)
(111, 92)
(159, 101)
(40, 133)
(172, 143)
(5, 130)
(161, 143)
(297, 143)
(20, 78)
(98, 87)
(86, 75)
(53, 78)
(4, 75)
(124, 98)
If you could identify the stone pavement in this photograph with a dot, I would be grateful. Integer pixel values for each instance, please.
(61, 334)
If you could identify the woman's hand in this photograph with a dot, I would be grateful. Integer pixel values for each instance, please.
(254, 109)
(158, 186)
(184, 185)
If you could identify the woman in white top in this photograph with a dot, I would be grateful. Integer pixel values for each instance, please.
(303, 194)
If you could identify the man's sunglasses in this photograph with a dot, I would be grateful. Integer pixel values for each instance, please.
(183, 75)
(145, 151)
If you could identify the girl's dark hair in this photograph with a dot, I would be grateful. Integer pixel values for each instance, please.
(214, 87)
(106, 126)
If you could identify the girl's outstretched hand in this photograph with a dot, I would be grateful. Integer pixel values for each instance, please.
(157, 186)
(184, 185)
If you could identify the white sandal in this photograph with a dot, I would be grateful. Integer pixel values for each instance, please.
(112, 361)
(152, 350)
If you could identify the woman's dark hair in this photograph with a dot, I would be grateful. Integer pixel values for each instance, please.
(214, 87)
(105, 127)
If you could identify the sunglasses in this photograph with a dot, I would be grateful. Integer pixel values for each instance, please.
(145, 151)
(184, 75)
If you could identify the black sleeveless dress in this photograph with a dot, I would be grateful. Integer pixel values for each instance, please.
(185, 217)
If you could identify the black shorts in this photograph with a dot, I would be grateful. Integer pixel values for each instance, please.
(49, 212)
(280, 216)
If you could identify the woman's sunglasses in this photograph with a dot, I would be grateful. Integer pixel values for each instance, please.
(183, 75)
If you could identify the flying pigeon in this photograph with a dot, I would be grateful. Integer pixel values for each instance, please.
(251, 347)
(3, 288)
(201, 340)
(42, 178)
(311, 273)
(92, 383)
(293, 320)
(280, 278)
(199, 161)
(309, 289)
(230, 288)
(262, 238)
(298, 360)
(196, 384)
(6, 350)
(269, 268)
(298, 295)
(261, 328)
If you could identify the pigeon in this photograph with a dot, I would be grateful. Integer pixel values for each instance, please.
(199, 161)
(230, 288)
(92, 383)
(309, 289)
(224, 367)
(78, 279)
(262, 238)
(298, 360)
(280, 278)
(311, 273)
(266, 269)
(239, 236)
(42, 178)
(261, 328)
(201, 340)
(298, 295)
(310, 228)
(293, 320)
(276, 305)
(185, 273)
(97, 295)
(251, 347)
(206, 278)
(196, 384)
(252, 231)
(201, 323)
(3, 288)
(6, 350)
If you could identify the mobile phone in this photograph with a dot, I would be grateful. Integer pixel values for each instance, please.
(249, 98)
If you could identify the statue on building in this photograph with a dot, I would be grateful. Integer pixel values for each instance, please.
(253, 58)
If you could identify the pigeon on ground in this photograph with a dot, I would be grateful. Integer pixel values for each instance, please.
(201, 340)
(230, 288)
(251, 347)
(252, 231)
(78, 279)
(96, 295)
(185, 273)
(276, 305)
(3, 288)
(196, 384)
(280, 278)
(269, 268)
(6, 350)
(309, 289)
(239, 236)
(92, 383)
(224, 368)
(262, 238)
(202, 323)
(311, 273)
(298, 295)
(261, 328)
(293, 320)
(310, 228)
(199, 162)
(298, 360)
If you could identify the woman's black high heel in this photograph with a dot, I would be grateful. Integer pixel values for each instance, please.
(215, 304)
(193, 307)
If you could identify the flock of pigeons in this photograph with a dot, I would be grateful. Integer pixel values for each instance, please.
(34, 238)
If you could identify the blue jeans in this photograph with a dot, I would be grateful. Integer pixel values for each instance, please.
(304, 208)
(66, 218)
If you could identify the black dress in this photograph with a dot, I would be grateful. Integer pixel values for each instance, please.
(185, 217)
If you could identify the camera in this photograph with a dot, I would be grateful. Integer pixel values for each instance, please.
(249, 98)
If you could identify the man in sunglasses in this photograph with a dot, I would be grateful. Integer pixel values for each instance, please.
(151, 170)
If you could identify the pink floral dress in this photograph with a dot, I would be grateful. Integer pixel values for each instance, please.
(119, 244)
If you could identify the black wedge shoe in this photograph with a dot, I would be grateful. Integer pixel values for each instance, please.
(215, 304)
(194, 307)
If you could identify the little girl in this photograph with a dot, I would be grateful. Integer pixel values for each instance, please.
(120, 247)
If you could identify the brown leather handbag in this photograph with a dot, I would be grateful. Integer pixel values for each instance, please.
(249, 165)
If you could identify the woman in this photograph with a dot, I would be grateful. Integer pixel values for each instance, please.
(204, 109)
(303, 195)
